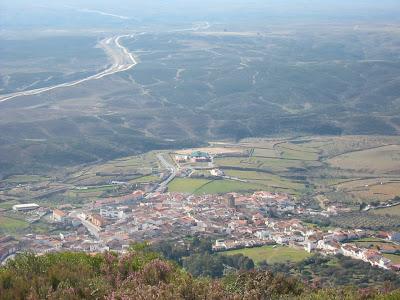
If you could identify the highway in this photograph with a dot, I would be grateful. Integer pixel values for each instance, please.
(168, 166)
(122, 59)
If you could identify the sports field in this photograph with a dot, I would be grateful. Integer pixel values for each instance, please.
(272, 254)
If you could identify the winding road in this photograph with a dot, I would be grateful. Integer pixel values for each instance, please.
(123, 60)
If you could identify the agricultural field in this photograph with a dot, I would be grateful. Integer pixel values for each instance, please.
(207, 186)
(374, 189)
(394, 211)
(344, 170)
(90, 192)
(19, 179)
(12, 225)
(375, 243)
(272, 254)
(213, 150)
(329, 166)
(268, 181)
(365, 221)
(145, 179)
(123, 169)
(293, 151)
(395, 258)
(226, 186)
(261, 163)
(8, 204)
(305, 165)
(379, 160)
(186, 185)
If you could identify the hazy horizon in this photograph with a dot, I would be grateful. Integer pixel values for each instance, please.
(23, 14)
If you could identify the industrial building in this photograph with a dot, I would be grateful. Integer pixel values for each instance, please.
(25, 207)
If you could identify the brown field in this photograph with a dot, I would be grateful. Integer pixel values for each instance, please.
(394, 210)
(372, 189)
(380, 160)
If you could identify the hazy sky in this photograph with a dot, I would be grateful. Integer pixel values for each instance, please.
(59, 13)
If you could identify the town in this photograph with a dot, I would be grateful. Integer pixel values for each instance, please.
(233, 220)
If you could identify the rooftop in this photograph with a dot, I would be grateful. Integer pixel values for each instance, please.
(199, 154)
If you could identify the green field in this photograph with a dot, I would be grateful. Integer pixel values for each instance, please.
(272, 254)
(206, 186)
(291, 151)
(346, 170)
(123, 168)
(90, 192)
(373, 243)
(100, 188)
(11, 225)
(269, 181)
(263, 163)
(226, 186)
(146, 178)
(8, 204)
(25, 178)
(186, 185)
(395, 258)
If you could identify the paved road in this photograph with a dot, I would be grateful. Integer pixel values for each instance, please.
(168, 166)
(93, 229)
(123, 60)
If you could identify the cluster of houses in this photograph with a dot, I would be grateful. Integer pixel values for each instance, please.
(117, 221)
(294, 233)
(237, 220)
(341, 243)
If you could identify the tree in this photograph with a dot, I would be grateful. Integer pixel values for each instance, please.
(206, 264)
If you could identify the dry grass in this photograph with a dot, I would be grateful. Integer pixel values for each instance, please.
(394, 211)
(372, 189)
(379, 160)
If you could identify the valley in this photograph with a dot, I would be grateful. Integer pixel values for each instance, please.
(193, 86)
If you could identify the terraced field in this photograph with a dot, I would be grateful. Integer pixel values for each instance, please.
(306, 167)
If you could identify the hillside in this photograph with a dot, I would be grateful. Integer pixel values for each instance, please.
(142, 274)
(192, 86)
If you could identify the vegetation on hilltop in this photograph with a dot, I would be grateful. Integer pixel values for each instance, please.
(143, 274)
